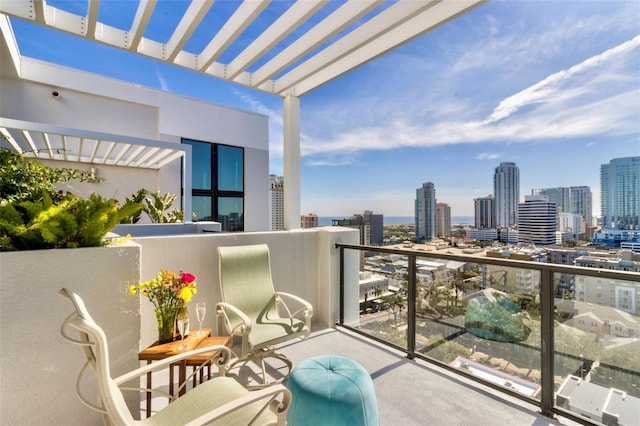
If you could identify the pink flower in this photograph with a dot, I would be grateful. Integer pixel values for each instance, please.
(188, 278)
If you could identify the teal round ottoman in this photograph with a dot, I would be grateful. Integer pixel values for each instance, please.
(331, 390)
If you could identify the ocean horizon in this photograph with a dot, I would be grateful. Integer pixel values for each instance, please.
(398, 220)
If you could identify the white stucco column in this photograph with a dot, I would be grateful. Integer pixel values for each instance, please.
(291, 154)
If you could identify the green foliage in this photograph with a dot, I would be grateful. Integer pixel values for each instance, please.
(497, 320)
(158, 205)
(135, 200)
(33, 215)
(28, 180)
(73, 222)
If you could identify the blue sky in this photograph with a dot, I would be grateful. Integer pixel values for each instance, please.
(553, 86)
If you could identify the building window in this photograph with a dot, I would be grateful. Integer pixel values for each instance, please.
(217, 184)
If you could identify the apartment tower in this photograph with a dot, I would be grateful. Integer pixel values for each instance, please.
(425, 212)
(537, 220)
(309, 220)
(620, 191)
(506, 193)
(484, 212)
(443, 220)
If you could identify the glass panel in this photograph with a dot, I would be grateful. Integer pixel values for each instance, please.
(597, 356)
(231, 213)
(230, 168)
(202, 208)
(200, 164)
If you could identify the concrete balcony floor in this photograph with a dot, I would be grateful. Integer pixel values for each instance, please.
(408, 392)
(414, 392)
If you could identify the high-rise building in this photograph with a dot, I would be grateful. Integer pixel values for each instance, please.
(309, 220)
(484, 212)
(377, 226)
(443, 220)
(506, 193)
(620, 202)
(620, 189)
(276, 201)
(582, 203)
(425, 212)
(537, 220)
(561, 196)
(572, 223)
(357, 221)
(573, 199)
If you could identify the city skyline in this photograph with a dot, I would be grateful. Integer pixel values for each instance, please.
(552, 87)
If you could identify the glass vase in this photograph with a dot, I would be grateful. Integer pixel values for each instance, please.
(166, 317)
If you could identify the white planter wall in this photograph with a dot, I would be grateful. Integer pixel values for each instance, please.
(38, 367)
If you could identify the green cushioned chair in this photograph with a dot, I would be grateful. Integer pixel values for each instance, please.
(331, 391)
(219, 401)
(252, 311)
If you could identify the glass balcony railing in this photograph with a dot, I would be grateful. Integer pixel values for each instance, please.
(562, 337)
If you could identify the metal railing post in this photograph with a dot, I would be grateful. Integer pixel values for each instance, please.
(547, 343)
(411, 308)
(341, 285)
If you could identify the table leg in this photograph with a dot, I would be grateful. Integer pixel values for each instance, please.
(171, 380)
(182, 377)
(148, 392)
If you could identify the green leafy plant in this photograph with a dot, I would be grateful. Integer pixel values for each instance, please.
(135, 200)
(22, 179)
(73, 222)
(157, 207)
(33, 215)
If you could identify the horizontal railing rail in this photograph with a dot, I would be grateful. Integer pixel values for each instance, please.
(547, 305)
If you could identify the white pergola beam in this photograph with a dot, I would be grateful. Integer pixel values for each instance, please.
(361, 36)
(424, 21)
(188, 24)
(140, 22)
(340, 19)
(246, 13)
(295, 16)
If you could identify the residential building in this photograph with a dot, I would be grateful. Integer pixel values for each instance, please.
(506, 192)
(582, 203)
(537, 220)
(573, 224)
(377, 226)
(620, 202)
(623, 295)
(607, 405)
(574, 199)
(482, 234)
(443, 220)
(309, 220)
(357, 221)
(276, 202)
(425, 212)
(485, 215)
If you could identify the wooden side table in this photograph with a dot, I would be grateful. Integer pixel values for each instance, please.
(194, 340)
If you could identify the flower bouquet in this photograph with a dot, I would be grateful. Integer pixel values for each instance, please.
(168, 292)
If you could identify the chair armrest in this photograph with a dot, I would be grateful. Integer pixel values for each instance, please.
(306, 308)
(271, 392)
(245, 324)
(224, 355)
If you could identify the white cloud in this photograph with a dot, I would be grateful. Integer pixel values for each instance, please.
(595, 97)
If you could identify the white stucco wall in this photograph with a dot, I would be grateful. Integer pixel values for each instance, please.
(38, 369)
(304, 262)
(95, 103)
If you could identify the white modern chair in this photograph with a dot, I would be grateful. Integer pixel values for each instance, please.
(219, 401)
(253, 312)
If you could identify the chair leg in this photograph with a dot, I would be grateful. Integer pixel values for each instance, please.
(259, 360)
